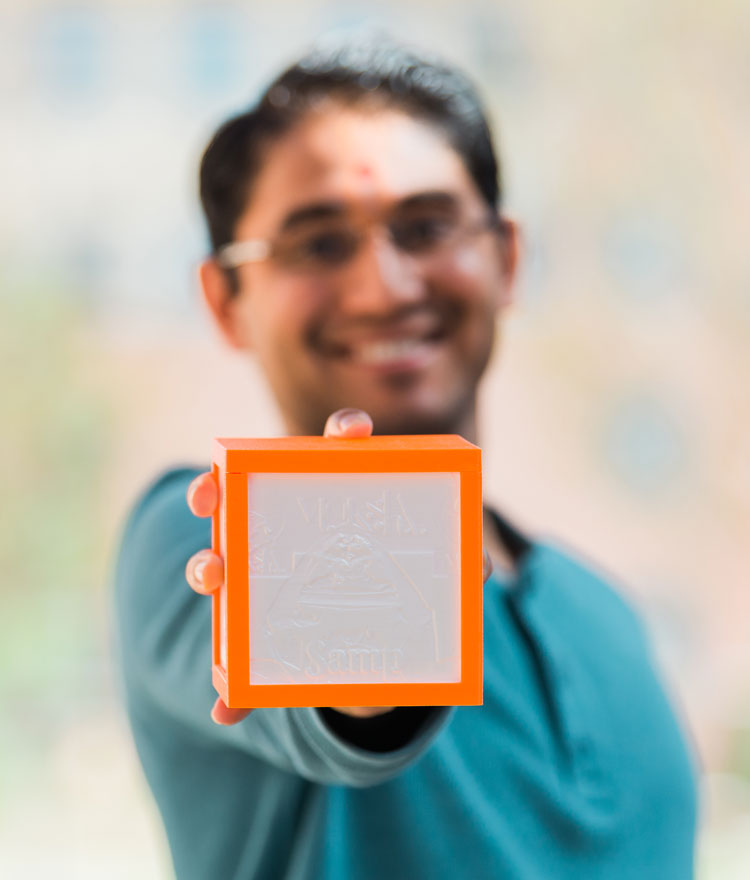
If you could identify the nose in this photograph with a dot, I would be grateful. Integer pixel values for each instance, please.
(380, 278)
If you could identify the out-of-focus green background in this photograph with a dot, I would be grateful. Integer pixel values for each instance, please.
(617, 413)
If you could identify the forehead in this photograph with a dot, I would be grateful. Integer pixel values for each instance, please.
(364, 158)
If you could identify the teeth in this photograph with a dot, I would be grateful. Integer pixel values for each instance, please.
(380, 352)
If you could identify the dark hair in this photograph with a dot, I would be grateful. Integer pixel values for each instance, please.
(377, 72)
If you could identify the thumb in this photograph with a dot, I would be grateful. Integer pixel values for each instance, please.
(222, 714)
(348, 423)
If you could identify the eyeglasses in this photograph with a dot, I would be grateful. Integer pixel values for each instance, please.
(329, 244)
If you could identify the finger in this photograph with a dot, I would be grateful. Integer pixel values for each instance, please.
(487, 566)
(203, 495)
(205, 571)
(363, 711)
(222, 714)
(348, 423)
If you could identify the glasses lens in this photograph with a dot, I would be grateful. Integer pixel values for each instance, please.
(327, 246)
(423, 233)
(318, 249)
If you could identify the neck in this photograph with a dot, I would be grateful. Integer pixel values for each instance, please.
(464, 424)
(467, 425)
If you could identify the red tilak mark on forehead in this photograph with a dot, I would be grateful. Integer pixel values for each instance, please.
(364, 171)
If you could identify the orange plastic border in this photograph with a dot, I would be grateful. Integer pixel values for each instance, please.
(234, 459)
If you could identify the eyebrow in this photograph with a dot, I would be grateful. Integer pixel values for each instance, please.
(309, 213)
(336, 209)
(431, 199)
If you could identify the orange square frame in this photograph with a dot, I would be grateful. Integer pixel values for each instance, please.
(235, 459)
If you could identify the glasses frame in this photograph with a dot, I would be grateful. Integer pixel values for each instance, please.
(257, 250)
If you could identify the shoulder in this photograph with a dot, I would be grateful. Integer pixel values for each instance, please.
(164, 496)
(561, 589)
(607, 688)
(159, 536)
(160, 513)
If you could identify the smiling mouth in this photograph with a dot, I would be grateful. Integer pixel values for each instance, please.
(403, 347)
(393, 352)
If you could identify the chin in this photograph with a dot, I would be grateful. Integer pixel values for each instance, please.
(416, 420)
(396, 404)
(433, 408)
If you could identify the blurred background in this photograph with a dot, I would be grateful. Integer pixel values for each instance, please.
(616, 414)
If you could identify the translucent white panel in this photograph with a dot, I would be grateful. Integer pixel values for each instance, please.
(354, 578)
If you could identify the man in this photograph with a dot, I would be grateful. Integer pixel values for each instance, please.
(360, 253)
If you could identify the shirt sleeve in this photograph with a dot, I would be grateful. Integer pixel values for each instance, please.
(164, 644)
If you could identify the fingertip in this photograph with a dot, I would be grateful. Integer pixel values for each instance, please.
(203, 495)
(221, 713)
(350, 423)
(356, 426)
(212, 572)
(205, 572)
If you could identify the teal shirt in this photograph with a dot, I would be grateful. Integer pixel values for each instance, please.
(574, 767)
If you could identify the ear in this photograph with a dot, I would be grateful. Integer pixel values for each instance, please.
(221, 301)
(509, 251)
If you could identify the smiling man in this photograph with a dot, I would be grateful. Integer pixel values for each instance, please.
(360, 254)
(387, 265)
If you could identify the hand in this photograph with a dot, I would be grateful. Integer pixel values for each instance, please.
(205, 569)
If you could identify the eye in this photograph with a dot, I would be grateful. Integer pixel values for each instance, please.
(330, 248)
(418, 234)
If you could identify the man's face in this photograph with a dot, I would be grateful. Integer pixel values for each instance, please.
(402, 334)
